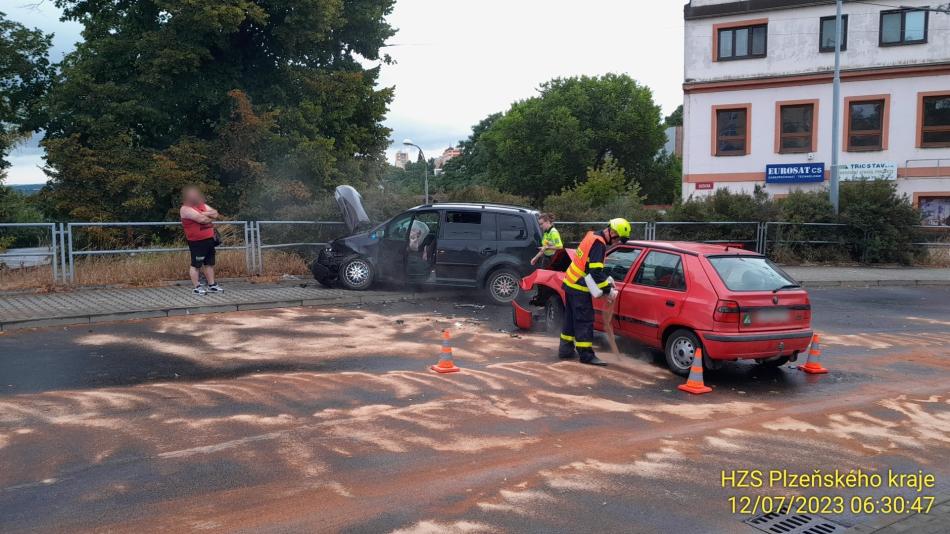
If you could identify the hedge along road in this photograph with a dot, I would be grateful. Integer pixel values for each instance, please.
(328, 420)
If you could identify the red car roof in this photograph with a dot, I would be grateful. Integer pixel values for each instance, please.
(704, 249)
(688, 247)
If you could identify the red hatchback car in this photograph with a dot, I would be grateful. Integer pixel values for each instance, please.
(677, 297)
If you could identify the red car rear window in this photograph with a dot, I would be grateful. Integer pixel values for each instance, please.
(750, 273)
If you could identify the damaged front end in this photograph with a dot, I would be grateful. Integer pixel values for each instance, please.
(326, 267)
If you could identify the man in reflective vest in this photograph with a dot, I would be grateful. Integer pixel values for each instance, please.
(584, 281)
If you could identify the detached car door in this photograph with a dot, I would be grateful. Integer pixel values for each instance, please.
(655, 294)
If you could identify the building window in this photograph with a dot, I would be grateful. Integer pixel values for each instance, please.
(934, 121)
(732, 132)
(796, 128)
(826, 38)
(903, 26)
(742, 42)
(866, 124)
(934, 208)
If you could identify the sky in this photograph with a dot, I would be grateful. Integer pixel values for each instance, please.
(458, 61)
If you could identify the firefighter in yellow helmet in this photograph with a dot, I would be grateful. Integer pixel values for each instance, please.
(584, 281)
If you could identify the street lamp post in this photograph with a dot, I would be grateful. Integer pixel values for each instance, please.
(425, 168)
(836, 112)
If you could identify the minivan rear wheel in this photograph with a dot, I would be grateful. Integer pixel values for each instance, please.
(503, 286)
(356, 274)
(680, 347)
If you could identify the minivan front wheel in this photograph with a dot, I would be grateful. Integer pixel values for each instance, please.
(503, 286)
(679, 350)
(356, 273)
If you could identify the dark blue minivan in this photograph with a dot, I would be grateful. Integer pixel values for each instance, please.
(476, 245)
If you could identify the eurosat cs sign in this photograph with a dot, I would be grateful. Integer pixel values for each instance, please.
(794, 173)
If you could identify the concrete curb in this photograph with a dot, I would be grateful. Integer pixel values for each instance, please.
(356, 300)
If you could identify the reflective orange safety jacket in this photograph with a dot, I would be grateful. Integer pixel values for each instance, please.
(589, 259)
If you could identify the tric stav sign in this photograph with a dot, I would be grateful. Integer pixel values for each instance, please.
(794, 173)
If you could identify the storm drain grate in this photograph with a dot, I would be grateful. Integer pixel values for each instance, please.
(779, 523)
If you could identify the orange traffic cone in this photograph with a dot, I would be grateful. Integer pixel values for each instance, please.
(812, 365)
(445, 364)
(694, 384)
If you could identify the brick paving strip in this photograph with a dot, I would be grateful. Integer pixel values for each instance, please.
(99, 305)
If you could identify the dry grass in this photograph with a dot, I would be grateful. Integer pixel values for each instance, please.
(145, 270)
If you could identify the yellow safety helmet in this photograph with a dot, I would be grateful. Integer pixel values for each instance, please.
(622, 227)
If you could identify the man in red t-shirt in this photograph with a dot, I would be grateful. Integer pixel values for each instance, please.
(197, 220)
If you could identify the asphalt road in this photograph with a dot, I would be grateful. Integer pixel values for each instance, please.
(306, 420)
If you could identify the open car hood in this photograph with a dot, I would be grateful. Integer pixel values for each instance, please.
(351, 206)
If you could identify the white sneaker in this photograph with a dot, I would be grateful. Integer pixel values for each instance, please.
(215, 288)
(199, 290)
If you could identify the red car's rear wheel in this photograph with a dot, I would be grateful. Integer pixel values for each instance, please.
(680, 347)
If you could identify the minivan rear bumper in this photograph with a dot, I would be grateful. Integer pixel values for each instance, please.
(740, 346)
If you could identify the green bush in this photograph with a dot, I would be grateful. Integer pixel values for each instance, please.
(805, 207)
(882, 221)
(798, 244)
(604, 195)
(724, 205)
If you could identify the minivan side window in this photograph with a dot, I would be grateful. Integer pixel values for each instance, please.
(511, 228)
(462, 225)
(662, 269)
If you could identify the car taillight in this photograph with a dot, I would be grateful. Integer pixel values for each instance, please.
(727, 311)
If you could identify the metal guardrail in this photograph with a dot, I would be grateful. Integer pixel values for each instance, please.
(811, 229)
(745, 232)
(583, 226)
(941, 234)
(71, 252)
(261, 246)
(759, 236)
(56, 231)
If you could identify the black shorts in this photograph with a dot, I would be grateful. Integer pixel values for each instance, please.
(202, 252)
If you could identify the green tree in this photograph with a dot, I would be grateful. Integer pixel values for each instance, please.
(412, 178)
(24, 78)
(546, 143)
(605, 193)
(264, 102)
(675, 118)
(662, 181)
(471, 167)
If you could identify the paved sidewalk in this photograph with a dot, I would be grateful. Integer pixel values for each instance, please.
(97, 305)
(869, 276)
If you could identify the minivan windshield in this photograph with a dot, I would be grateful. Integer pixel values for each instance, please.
(741, 273)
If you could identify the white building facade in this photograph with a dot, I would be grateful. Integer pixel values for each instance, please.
(758, 97)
